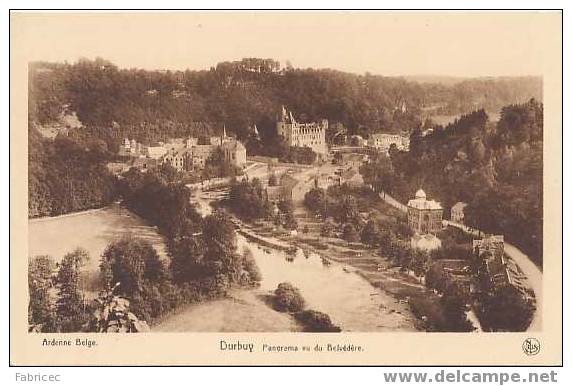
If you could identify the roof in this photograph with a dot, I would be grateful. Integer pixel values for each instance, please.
(233, 145)
(421, 203)
(498, 272)
(459, 206)
(203, 149)
(144, 162)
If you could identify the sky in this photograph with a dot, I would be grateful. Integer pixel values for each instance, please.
(382, 43)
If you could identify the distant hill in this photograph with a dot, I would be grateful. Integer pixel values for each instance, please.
(436, 79)
(143, 104)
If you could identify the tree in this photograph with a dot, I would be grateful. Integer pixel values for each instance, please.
(41, 316)
(347, 210)
(247, 200)
(379, 173)
(250, 266)
(71, 309)
(218, 166)
(454, 308)
(187, 254)
(370, 234)
(220, 256)
(315, 200)
(272, 180)
(66, 175)
(506, 309)
(286, 206)
(350, 234)
(131, 262)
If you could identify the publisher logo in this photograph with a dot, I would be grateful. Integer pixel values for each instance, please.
(531, 346)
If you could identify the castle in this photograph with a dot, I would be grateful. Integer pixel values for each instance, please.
(312, 135)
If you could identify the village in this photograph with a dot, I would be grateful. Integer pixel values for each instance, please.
(489, 270)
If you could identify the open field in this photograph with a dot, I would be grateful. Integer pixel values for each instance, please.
(242, 311)
(91, 230)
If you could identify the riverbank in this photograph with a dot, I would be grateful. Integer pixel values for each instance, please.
(66, 215)
(390, 287)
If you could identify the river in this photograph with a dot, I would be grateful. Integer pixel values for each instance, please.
(350, 300)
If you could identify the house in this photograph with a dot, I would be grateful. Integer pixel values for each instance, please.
(178, 159)
(458, 212)
(492, 245)
(424, 216)
(383, 141)
(215, 141)
(191, 141)
(131, 148)
(145, 163)
(234, 152)
(117, 167)
(490, 250)
(155, 152)
(199, 154)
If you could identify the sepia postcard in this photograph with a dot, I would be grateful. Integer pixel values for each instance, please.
(286, 188)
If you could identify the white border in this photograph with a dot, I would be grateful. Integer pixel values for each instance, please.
(274, 376)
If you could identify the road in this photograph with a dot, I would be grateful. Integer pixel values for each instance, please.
(534, 277)
(530, 270)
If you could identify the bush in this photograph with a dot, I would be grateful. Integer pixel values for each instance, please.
(350, 233)
(328, 229)
(249, 265)
(315, 200)
(133, 263)
(316, 321)
(287, 298)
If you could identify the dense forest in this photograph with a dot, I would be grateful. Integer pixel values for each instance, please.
(494, 167)
(151, 105)
(65, 175)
